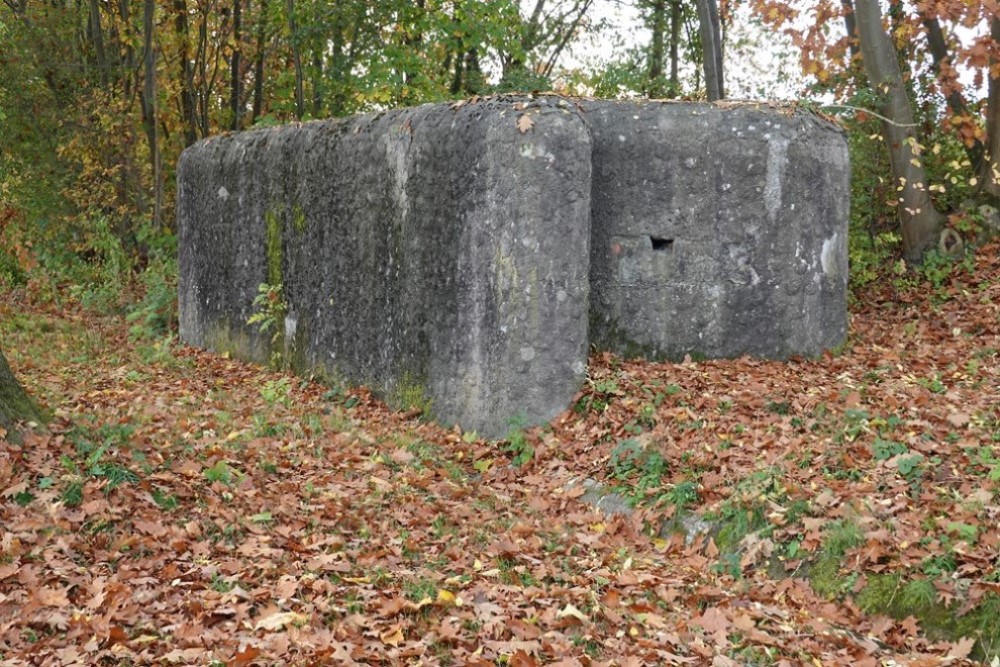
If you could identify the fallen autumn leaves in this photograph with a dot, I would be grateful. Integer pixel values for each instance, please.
(198, 510)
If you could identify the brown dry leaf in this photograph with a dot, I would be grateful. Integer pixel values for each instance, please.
(52, 597)
(572, 611)
(12, 491)
(245, 656)
(713, 620)
(286, 587)
(961, 649)
(959, 419)
(393, 636)
(524, 123)
(279, 620)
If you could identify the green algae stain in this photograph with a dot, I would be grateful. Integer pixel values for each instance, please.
(236, 342)
(298, 219)
(273, 224)
(410, 394)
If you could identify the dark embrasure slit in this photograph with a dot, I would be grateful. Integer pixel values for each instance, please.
(660, 244)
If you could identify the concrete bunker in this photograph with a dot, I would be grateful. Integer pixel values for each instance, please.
(446, 258)
(437, 255)
(717, 231)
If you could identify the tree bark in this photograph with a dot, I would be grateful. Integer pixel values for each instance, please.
(657, 49)
(236, 66)
(149, 108)
(990, 170)
(258, 65)
(300, 101)
(711, 49)
(850, 25)
(920, 222)
(718, 41)
(956, 102)
(676, 17)
(97, 35)
(181, 31)
(127, 49)
(15, 405)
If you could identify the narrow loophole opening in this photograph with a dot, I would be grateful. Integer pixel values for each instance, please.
(660, 244)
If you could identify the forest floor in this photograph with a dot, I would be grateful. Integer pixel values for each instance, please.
(186, 508)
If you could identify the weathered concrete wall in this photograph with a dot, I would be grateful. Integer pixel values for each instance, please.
(717, 231)
(436, 254)
(447, 259)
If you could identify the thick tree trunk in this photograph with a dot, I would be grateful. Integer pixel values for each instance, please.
(920, 223)
(990, 170)
(15, 405)
(711, 48)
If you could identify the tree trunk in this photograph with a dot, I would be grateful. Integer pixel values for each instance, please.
(710, 49)
(412, 40)
(149, 108)
(300, 98)
(990, 170)
(956, 102)
(15, 405)
(128, 51)
(258, 66)
(317, 80)
(181, 31)
(97, 35)
(850, 25)
(718, 41)
(657, 49)
(919, 221)
(676, 18)
(236, 66)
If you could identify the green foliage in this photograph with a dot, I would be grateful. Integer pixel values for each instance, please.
(884, 450)
(643, 466)
(155, 315)
(218, 472)
(518, 445)
(684, 494)
(601, 393)
(277, 392)
(841, 536)
(269, 315)
(99, 456)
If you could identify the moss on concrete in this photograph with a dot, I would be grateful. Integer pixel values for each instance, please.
(411, 393)
(298, 219)
(274, 227)
(608, 335)
(236, 342)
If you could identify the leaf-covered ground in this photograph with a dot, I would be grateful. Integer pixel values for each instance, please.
(186, 508)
